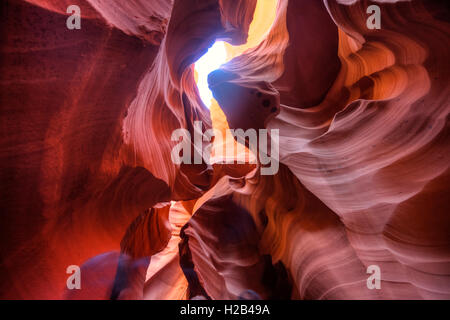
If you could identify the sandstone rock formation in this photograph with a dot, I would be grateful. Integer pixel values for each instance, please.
(86, 175)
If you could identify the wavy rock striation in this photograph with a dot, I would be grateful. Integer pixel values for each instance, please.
(87, 176)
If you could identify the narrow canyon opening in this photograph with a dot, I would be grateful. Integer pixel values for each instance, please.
(219, 54)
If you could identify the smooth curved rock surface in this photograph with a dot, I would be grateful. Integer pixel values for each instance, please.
(86, 176)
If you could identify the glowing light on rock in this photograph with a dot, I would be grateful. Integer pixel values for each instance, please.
(210, 61)
(222, 52)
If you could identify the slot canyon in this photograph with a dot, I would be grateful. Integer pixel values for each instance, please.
(353, 120)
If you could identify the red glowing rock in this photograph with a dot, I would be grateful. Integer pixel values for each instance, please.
(87, 177)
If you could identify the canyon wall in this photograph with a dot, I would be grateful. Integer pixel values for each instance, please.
(86, 175)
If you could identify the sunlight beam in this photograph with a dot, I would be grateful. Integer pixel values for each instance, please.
(210, 61)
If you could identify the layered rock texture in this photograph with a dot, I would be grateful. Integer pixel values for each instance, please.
(87, 178)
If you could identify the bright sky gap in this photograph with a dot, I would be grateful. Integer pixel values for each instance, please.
(210, 61)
